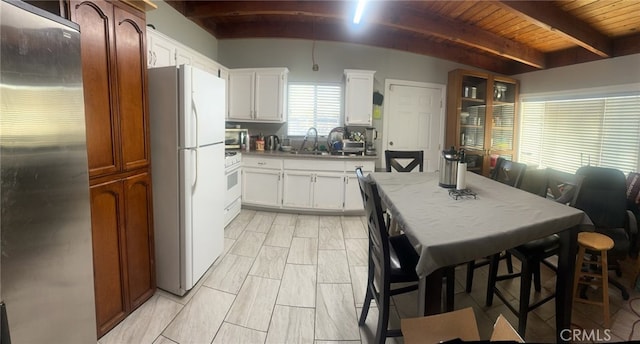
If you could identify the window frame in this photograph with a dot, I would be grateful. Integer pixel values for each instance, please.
(587, 94)
(340, 111)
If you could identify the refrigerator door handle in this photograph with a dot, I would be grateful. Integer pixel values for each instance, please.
(195, 176)
(195, 115)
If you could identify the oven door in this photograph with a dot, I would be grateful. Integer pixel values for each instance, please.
(234, 189)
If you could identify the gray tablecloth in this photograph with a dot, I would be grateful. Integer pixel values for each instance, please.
(447, 232)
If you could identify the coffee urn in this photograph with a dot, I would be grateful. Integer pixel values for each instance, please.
(449, 168)
(370, 136)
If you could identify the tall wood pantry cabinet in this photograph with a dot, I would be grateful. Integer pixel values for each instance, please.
(116, 112)
(482, 117)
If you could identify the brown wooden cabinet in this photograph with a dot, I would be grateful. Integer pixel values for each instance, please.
(116, 111)
(482, 117)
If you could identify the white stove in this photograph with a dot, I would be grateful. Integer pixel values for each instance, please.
(233, 173)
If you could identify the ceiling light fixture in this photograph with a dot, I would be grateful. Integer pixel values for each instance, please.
(359, 10)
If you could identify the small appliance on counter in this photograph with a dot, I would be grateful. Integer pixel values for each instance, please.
(236, 138)
(370, 136)
(272, 143)
(351, 146)
(449, 167)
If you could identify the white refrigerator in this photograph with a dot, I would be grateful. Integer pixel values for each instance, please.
(187, 156)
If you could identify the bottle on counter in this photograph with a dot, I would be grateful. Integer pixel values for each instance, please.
(260, 142)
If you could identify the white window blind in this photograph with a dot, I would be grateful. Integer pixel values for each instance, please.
(314, 105)
(568, 134)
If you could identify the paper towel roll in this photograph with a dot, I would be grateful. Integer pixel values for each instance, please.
(461, 182)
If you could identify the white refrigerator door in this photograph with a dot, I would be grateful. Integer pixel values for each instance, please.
(203, 189)
(203, 104)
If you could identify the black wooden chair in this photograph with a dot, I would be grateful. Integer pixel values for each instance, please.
(512, 174)
(391, 260)
(392, 159)
(563, 188)
(603, 196)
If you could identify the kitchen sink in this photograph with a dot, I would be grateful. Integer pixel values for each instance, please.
(309, 152)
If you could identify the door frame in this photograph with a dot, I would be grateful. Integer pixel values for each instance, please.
(386, 111)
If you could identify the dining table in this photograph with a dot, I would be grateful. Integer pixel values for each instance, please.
(449, 228)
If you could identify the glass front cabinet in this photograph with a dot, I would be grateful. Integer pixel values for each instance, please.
(482, 117)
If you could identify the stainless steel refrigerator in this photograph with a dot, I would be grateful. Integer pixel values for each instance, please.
(45, 223)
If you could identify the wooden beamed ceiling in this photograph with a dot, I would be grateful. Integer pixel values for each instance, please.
(506, 37)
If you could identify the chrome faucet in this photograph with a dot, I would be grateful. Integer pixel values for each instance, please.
(306, 137)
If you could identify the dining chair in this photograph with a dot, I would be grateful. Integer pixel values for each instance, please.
(393, 160)
(563, 188)
(392, 259)
(505, 172)
(603, 197)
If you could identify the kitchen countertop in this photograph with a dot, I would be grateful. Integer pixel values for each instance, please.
(280, 154)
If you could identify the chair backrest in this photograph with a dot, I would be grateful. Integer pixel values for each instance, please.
(379, 255)
(563, 187)
(508, 172)
(603, 196)
(535, 182)
(416, 160)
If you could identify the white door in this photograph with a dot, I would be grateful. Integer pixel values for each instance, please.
(414, 119)
(352, 196)
(161, 51)
(202, 210)
(204, 108)
(261, 187)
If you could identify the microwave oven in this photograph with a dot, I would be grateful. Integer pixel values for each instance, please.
(236, 138)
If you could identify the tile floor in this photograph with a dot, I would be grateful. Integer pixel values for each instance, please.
(286, 278)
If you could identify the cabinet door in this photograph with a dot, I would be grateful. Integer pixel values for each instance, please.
(241, 95)
(139, 238)
(162, 52)
(131, 86)
(352, 196)
(183, 56)
(107, 222)
(328, 190)
(358, 99)
(296, 189)
(261, 187)
(96, 24)
(269, 95)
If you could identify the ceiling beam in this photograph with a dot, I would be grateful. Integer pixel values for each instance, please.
(548, 16)
(409, 19)
(204, 9)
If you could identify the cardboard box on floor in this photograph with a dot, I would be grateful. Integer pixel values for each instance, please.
(460, 324)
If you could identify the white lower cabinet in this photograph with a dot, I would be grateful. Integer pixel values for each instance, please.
(261, 187)
(328, 191)
(297, 189)
(329, 185)
(352, 197)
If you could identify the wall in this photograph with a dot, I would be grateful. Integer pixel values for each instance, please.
(333, 58)
(173, 24)
(604, 73)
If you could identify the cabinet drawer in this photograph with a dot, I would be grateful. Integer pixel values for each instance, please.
(313, 165)
(366, 166)
(275, 164)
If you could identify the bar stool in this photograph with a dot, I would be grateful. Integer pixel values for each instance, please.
(597, 244)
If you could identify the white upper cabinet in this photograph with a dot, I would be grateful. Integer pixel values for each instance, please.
(164, 51)
(258, 95)
(161, 50)
(358, 100)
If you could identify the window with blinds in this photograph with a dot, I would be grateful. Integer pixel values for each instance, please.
(313, 105)
(567, 134)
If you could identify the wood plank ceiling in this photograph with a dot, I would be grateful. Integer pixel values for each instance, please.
(506, 37)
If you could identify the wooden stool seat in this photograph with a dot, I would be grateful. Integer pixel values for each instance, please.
(595, 241)
(598, 244)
